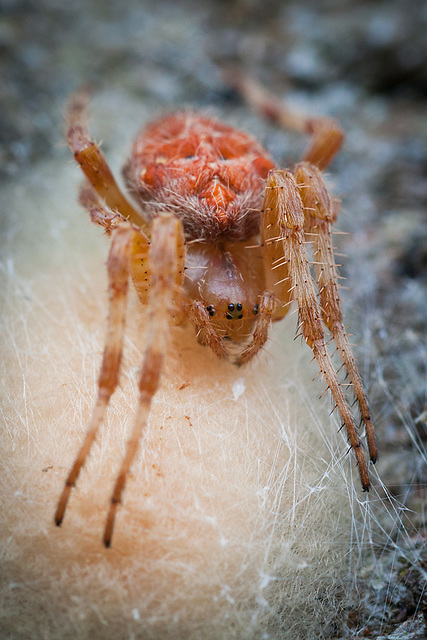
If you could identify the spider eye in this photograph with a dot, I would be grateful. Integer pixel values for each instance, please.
(234, 311)
(210, 310)
(255, 309)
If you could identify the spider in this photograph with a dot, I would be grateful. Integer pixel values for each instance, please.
(219, 236)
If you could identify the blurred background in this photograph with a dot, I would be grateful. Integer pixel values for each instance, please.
(364, 64)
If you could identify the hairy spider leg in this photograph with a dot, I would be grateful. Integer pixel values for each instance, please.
(327, 135)
(93, 163)
(319, 214)
(267, 305)
(118, 276)
(206, 333)
(98, 210)
(167, 236)
(283, 225)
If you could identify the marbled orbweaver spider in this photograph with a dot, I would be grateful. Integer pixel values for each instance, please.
(220, 236)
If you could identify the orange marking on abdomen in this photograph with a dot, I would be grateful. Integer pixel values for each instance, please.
(218, 196)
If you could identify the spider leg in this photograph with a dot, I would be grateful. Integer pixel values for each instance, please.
(99, 212)
(140, 263)
(167, 237)
(207, 334)
(319, 214)
(266, 309)
(118, 274)
(283, 226)
(327, 135)
(93, 163)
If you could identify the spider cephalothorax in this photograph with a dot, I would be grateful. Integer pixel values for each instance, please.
(219, 237)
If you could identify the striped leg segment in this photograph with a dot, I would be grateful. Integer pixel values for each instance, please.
(165, 265)
(319, 214)
(283, 226)
(118, 274)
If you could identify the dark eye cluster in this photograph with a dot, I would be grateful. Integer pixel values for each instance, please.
(234, 311)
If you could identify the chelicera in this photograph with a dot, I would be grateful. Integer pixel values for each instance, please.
(218, 235)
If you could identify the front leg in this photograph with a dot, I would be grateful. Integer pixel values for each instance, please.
(118, 274)
(283, 231)
(319, 214)
(167, 237)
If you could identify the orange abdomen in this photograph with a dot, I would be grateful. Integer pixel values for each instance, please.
(207, 173)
